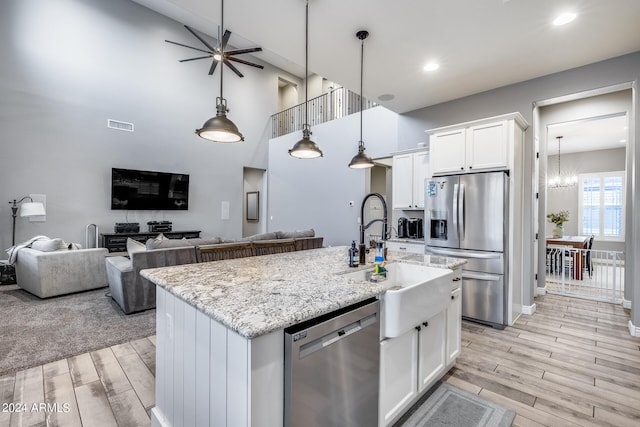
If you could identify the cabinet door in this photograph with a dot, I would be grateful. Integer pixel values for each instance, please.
(447, 152)
(487, 147)
(420, 173)
(454, 326)
(431, 351)
(398, 372)
(403, 181)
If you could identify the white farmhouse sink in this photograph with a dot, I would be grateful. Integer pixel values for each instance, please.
(415, 293)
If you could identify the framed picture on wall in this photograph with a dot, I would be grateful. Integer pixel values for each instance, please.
(253, 203)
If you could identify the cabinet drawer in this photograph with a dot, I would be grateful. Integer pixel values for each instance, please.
(193, 235)
(409, 247)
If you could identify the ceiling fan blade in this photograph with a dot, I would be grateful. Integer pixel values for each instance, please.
(204, 42)
(225, 38)
(193, 59)
(190, 47)
(234, 69)
(244, 62)
(239, 51)
(214, 64)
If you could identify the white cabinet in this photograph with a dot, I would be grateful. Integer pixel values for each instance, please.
(475, 148)
(413, 247)
(409, 172)
(413, 362)
(454, 319)
(448, 151)
(431, 350)
(398, 373)
(454, 326)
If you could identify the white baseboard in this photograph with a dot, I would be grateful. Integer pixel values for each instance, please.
(633, 330)
(529, 309)
(541, 290)
(626, 303)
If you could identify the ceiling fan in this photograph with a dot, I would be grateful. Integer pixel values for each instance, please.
(219, 54)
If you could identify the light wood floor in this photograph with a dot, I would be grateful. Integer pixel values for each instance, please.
(114, 386)
(573, 363)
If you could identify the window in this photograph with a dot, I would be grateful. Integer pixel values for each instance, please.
(602, 205)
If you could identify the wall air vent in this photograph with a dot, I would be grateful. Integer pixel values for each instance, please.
(118, 125)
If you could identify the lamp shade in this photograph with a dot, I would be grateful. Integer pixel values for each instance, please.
(220, 129)
(305, 148)
(32, 209)
(361, 160)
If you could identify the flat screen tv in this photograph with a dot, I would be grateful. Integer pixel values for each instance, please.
(148, 190)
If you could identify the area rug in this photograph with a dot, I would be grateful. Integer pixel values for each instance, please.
(448, 406)
(35, 331)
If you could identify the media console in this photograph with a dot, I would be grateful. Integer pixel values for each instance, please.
(117, 242)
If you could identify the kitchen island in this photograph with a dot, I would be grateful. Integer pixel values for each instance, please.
(220, 330)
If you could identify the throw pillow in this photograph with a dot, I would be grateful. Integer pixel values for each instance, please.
(74, 246)
(296, 234)
(134, 246)
(261, 236)
(48, 245)
(154, 243)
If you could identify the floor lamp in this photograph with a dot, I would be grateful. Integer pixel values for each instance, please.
(27, 209)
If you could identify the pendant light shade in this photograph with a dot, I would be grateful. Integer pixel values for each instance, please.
(306, 148)
(361, 160)
(220, 128)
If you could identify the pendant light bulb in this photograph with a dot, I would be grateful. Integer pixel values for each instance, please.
(220, 128)
(361, 160)
(306, 148)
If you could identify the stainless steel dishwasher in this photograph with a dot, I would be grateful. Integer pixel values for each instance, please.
(332, 368)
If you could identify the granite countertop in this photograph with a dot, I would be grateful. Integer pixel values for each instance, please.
(257, 295)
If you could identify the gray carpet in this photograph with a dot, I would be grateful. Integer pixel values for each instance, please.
(35, 331)
(448, 406)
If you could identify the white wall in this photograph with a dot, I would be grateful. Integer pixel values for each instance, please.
(68, 66)
(315, 193)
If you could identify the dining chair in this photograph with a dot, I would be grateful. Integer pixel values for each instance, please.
(587, 256)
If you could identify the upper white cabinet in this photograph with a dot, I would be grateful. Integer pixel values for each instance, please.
(409, 173)
(478, 146)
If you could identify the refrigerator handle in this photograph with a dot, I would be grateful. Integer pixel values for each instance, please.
(455, 208)
(461, 211)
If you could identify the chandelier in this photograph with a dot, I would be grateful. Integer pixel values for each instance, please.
(561, 180)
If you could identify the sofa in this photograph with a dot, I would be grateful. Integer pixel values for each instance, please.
(61, 271)
(134, 293)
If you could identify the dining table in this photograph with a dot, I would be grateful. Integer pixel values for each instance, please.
(577, 242)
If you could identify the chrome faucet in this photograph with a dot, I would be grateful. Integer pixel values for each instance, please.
(364, 227)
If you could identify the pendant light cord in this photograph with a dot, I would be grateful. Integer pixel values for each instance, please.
(306, 69)
(559, 138)
(361, 91)
(220, 37)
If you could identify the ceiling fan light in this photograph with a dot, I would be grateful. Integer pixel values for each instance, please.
(305, 148)
(217, 57)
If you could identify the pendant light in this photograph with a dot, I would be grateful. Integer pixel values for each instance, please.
(220, 128)
(306, 148)
(361, 160)
(560, 181)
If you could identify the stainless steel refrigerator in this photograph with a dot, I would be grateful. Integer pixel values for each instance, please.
(467, 216)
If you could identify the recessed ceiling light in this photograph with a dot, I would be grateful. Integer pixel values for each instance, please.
(622, 141)
(564, 18)
(431, 66)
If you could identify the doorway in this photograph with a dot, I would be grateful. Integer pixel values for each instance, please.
(582, 141)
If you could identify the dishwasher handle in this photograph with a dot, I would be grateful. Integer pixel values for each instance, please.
(337, 335)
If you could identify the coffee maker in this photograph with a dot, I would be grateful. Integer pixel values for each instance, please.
(414, 228)
(402, 228)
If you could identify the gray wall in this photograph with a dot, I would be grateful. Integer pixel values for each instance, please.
(567, 198)
(315, 193)
(522, 97)
(68, 66)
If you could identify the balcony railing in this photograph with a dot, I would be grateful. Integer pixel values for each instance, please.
(330, 106)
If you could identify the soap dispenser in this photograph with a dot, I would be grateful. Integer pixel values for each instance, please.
(354, 256)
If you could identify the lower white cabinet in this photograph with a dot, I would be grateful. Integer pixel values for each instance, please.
(398, 373)
(454, 326)
(431, 350)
